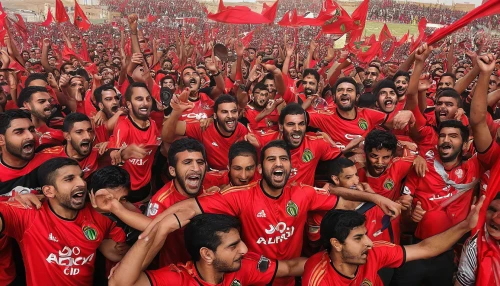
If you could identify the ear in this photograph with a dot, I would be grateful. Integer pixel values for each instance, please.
(101, 106)
(207, 255)
(336, 245)
(171, 171)
(259, 168)
(49, 191)
(129, 105)
(357, 97)
(2, 140)
(67, 136)
(280, 127)
(26, 105)
(336, 180)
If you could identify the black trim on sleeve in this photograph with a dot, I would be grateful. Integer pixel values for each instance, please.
(385, 121)
(274, 275)
(3, 224)
(149, 278)
(404, 257)
(487, 149)
(196, 200)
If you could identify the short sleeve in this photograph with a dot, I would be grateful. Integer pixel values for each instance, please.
(389, 255)
(120, 135)
(155, 208)
(376, 117)
(316, 119)
(116, 233)
(227, 202)
(193, 130)
(468, 263)
(165, 277)
(313, 225)
(15, 219)
(257, 269)
(328, 150)
(411, 184)
(489, 157)
(320, 199)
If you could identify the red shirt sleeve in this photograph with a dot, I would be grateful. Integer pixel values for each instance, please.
(115, 233)
(376, 117)
(257, 269)
(320, 199)
(388, 254)
(313, 224)
(15, 219)
(411, 183)
(120, 135)
(329, 151)
(229, 201)
(193, 130)
(165, 277)
(489, 157)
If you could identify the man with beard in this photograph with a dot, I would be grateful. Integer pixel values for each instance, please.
(108, 103)
(38, 102)
(262, 113)
(367, 99)
(387, 97)
(273, 211)
(401, 80)
(310, 84)
(135, 140)
(220, 257)
(66, 229)
(352, 258)
(217, 138)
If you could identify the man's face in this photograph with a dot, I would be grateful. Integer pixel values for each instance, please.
(310, 85)
(40, 105)
(493, 219)
(294, 130)
(460, 73)
(387, 99)
(3, 97)
(355, 248)
(261, 97)
(80, 137)
(70, 188)
(19, 139)
(38, 53)
(227, 116)
(446, 108)
(494, 81)
(38, 82)
(348, 178)
(450, 144)
(251, 54)
(345, 96)
(189, 172)
(435, 67)
(268, 50)
(401, 85)
(191, 80)
(141, 103)
(444, 82)
(32, 54)
(276, 167)
(68, 68)
(271, 87)
(108, 76)
(242, 170)
(99, 48)
(244, 70)
(378, 160)
(52, 62)
(230, 252)
(169, 83)
(371, 76)
(293, 73)
(110, 103)
(117, 62)
(26, 56)
(167, 66)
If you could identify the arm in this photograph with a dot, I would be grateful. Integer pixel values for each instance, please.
(462, 84)
(336, 73)
(12, 47)
(220, 85)
(45, 53)
(450, 60)
(420, 55)
(493, 98)
(111, 122)
(439, 243)
(312, 47)
(172, 127)
(288, 57)
(406, 65)
(292, 267)
(111, 250)
(269, 108)
(278, 78)
(132, 21)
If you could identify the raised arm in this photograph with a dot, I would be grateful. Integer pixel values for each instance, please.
(462, 84)
(45, 55)
(132, 21)
(419, 56)
(172, 127)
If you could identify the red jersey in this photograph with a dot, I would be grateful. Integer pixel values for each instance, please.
(344, 130)
(221, 179)
(319, 270)
(270, 122)
(91, 108)
(305, 158)
(433, 192)
(271, 226)
(255, 269)
(65, 251)
(101, 133)
(49, 136)
(202, 109)
(126, 133)
(216, 144)
(89, 164)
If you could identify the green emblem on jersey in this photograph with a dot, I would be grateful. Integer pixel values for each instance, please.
(363, 124)
(342, 27)
(307, 156)
(90, 233)
(389, 184)
(292, 209)
(235, 282)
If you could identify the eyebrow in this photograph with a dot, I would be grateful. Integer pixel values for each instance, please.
(234, 243)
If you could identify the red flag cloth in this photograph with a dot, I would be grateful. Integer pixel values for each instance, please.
(49, 19)
(151, 18)
(390, 52)
(20, 26)
(244, 15)
(247, 39)
(84, 51)
(491, 7)
(421, 34)
(269, 12)
(221, 7)
(339, 23)
(403, 39)
(61, 15)
(80, 21)
(359, 20)
(371, 40)
(67, 53)
(385, 34)
(3, 32)
(367, 53)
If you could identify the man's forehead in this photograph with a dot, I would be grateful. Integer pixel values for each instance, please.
(41, 95)
(345, 85)
(20, 123)
(68, 170)
(294, 118)
(187, 154)
(275, 151)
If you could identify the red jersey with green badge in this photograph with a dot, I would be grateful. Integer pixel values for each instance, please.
(202, 109)
(319, 270)
(126, 133)
(89, 164)
(270, 122)
(344, 130)
(433, 192)
(389, 183)
(255, 269)
(48, 136)
(217, 145)
(65, 249)
(271, 226)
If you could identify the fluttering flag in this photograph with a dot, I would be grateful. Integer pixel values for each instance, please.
(403, 39)
(61, 15)
(80, 21)
(422, 24)
(247, 39)
(385, 34)
(359, 20)
(243, 15)
(151, 18)
(339, 23)
(49, 19)
(18, 23)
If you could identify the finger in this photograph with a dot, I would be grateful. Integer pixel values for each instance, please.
(34, 201)
(20, 200)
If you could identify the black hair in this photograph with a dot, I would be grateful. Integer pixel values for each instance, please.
(110, 177)
(336, 166)
(205, 231)
(64, 65)
(449, 74)
(385, 83)
(242, 148)
(312, 72)
(73, 118)
(292, 109)
(348, 80)
(9, 115)
(464, 131)
(338, 224)
(379, 139)
(260, 85)
(225, 98)
(130, 89)
(275, 143)
(35, 76)
(47, 171)
(27, 93)
(371, 65)
(184, 144)
(401, 73)
(450, 92)
(98, 92)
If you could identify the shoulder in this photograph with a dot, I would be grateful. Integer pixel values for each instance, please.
(316, 268)
(240, 189)
(164, 193)
(51, 151)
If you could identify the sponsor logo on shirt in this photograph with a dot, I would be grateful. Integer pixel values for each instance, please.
(307, 156)
(235, 282)
(53, 238)
(215, 144)
(262, 213)
(86, 169)
(363, 124)
(388, 184)
(137, 162)
(366, 282)
(152, 209)
(282, 231)
(459, 173)
(197, 116)
(292, 209)
(90, 232)
(69, 257)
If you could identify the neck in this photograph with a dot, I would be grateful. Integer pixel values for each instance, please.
(256, 107)
(37, 121)
(13, 161)
(350, 114)
(348, 270)
(208, 274)
(139, 122)
(273, 192)
(62, 211)
(451, 164)
(71, 152)
(179, 188)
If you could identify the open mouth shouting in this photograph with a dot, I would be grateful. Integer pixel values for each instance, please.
(29, 148)
(446, 148)
(389, 103)
(230, 124)
(345, 100)
(278, 176)
(295, 138)
(78, 196)
(85, 146)
(193, 181)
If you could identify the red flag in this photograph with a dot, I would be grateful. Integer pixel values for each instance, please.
(371, 40)
(84, 51)
(221, 7)
(61, 15)
(49, 19)
(20, 26)
(269, 12)
(247, 39)
(367, 54)
(359, 20)
(81, 21)
(339, 22)
(403, 39)
(390, 52)
(421, 34)
(151, 18)
(385, 34)
(244, 15)
(67, 53)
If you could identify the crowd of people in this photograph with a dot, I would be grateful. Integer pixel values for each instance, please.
(175, 153)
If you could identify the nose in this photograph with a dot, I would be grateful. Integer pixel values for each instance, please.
(496, 217)
(368, 242)
(243, 248)
(196, 167)
(80, 182)
(379, 161)
(29, 136)
(244, 174)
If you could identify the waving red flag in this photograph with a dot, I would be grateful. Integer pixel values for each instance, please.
(61, 15)
(151, 18)
(49, 19)
(247, 39)
(81, 21)
(269, 12)
(221, 7)
(339, 23)
(20, 26)
(403, 39)
(359, 20)
(421, 34)
(243, 15)
(385, 34)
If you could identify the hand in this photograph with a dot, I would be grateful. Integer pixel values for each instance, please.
(330, 54)
(4, 56)
(205, 123)
(97, 77)
(405, 201)
(239, 49)
(99, 118)
(51, 80)
(27, 200)
(290, 48)
(313, 45)
(103, 147)
(270, 68)
(420, 166)
(46, 42)
(422, 53)
(137, 58)
(178, 104)
(103, 200)
(64, 80)
(353, 144)
(472, 56)
(486, 63)
(134, 151)
(424, 82)
(272, 104)
(250, 137)
(418, 212)
(460, 112)
(212, 67)
(473, 216)
(365, 187)
(132, 22)
(389, 207)
(403, 118)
